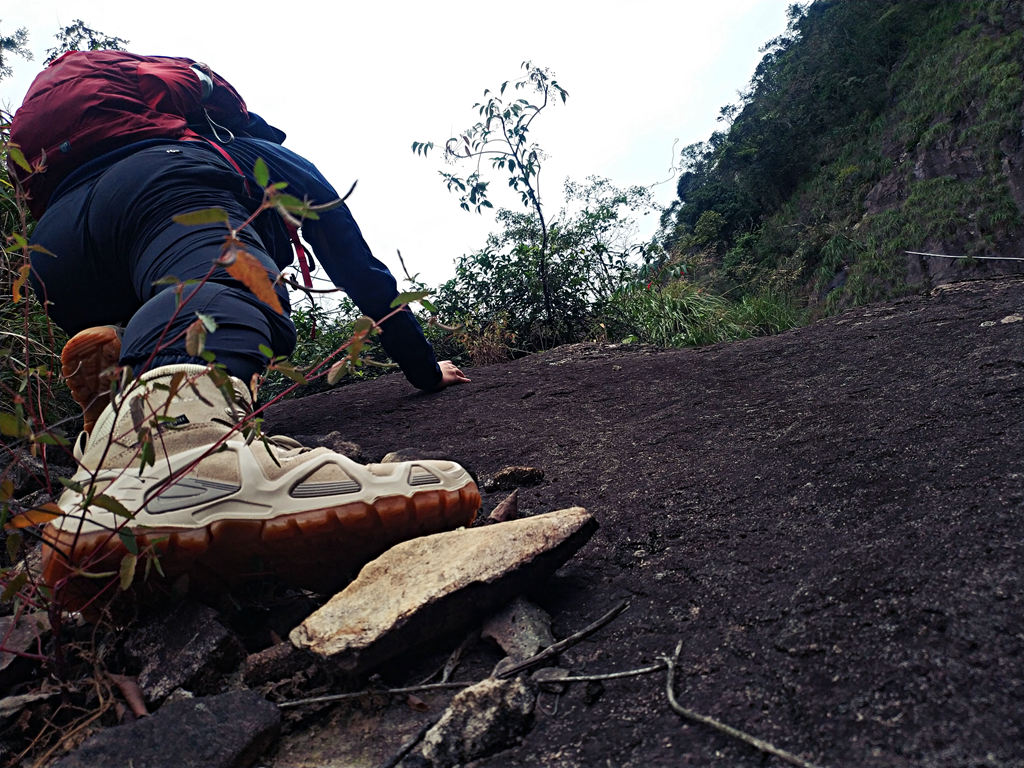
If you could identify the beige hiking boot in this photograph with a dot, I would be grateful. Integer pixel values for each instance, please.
(89, 365)
(170, 475)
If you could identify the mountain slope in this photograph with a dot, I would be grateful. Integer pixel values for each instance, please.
(830, 520)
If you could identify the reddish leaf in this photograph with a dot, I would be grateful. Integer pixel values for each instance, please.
(34, 516)
(246, 269)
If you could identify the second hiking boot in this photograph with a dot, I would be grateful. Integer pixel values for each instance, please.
(89, 365)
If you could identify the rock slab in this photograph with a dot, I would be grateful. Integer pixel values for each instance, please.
(231, 730)
(437, 585)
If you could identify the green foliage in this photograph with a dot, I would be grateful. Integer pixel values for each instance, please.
(502, 136)
(869, 128)
(592, 253)
(15, 44)
(681, 314)
(79, 37)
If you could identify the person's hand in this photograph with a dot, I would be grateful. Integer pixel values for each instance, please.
(450, 374)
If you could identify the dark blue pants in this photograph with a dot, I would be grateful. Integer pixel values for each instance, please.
(112, 232)
(113, 239)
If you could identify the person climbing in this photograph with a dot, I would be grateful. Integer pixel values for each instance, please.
(169, 463)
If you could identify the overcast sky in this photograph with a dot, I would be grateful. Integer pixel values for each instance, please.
(354, 84)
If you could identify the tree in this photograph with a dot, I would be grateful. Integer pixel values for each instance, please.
(502, 136)
(79, 37)
(13, 45)
(593, 250)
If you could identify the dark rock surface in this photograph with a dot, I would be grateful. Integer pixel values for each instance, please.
(830, 519)
(186, 647)
(227, 731)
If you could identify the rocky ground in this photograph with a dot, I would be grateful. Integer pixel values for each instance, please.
(830, 522)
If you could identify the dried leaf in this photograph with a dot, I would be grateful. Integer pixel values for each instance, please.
(19, 282)
(246, 269)
(6, 489)
(195, 338)
(338, 371)
(416, 703)
(34, 516)
(127, 571)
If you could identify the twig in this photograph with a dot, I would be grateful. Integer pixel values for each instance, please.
(982, 258)
(557, 677)
(561, 645)
(728, 730)
(372, 692)
(406, 748)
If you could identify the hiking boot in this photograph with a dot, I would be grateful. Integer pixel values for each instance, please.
(89, 365)
(172, 476)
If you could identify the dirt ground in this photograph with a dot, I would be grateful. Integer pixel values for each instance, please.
(830, 520)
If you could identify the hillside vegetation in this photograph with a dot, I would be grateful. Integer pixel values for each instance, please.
(872, 127)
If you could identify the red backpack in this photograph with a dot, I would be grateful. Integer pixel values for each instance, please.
(87, 103)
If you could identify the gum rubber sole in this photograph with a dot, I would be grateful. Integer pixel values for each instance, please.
(87, 363)
(319, 549)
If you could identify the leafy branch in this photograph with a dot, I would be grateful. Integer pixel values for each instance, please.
(501, 136)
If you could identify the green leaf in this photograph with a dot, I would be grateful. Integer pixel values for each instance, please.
(48, 438)
(127, 571)
(13, 545)
(14, 426)
(202, 216)
(14, 586)
(261, 172)
(408, 297)
(18, 157)
(363, 325)
(266, 351)
(428, 305)
(112, 505)
(208, 322)
(128, 539)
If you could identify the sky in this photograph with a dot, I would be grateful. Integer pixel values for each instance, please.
(354, 84)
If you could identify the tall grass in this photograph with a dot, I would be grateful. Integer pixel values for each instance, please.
(682, 314)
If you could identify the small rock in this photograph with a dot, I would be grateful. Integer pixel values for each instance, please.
(988, 323)
(188, 647)
(414, 454)
(481, 720)
(510, 478)
(228, 731)
(437, 585)
(1011, 319)
(508, 509)
(335, 442)
(521, 628)
(16, 638)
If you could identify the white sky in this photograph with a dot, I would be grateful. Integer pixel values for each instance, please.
(354, 84)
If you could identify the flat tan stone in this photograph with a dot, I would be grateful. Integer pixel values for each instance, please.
(437, 585)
